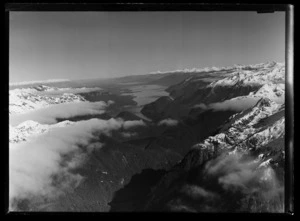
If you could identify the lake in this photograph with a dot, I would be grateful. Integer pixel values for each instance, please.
(144, 94)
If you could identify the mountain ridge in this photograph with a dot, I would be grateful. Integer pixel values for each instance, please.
(222, 152)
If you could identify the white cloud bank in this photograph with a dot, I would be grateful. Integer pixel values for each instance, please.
(236, 104)
(133, 123)
(60, 91)
(168, 122)
(238, 173)
(40, 169)
(48, 115)
(192, 70)
(275, 92)
(252, 184)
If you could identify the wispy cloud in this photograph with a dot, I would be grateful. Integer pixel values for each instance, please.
(197, 192)
(37, 82)
(129, 134)
(60, 91)
(178, 206)
(168, 122)
(253, 184)
(133, 123)
(239, 104)
(237, 173)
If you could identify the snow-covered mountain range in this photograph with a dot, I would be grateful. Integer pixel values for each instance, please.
(22, 100)
(242, 158)
(238, 84)
(30, 129)
(236, 67)
(240, 161)
(230, 128)
(245, 130)
(254, 75)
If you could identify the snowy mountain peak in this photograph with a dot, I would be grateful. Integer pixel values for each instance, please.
(30, 129)
(28, 99)
(271, 64)
(235, 67)
(44, 88)
(28, 124)
(254, 75)
(245, 131)
(264, 102)
(274, 89)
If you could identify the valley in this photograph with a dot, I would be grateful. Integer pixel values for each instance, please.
(190, 141)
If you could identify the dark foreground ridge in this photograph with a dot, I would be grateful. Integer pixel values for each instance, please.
(133, 196)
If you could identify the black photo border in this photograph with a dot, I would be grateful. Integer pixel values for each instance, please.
(208, 6)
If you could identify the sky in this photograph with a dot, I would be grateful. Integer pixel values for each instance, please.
(83, 45)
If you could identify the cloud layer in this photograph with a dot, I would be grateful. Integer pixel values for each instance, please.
(48, 115)
(252, 184)
(192, 70)
(37, 82)
(61, 91)
(239, 104)
(236, 172)
(40, 169)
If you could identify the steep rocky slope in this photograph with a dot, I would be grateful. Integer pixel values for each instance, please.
(239, 169)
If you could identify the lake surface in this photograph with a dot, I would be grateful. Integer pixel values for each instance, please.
(144, 94)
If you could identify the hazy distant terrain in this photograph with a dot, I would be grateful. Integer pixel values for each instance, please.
(202, 140)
